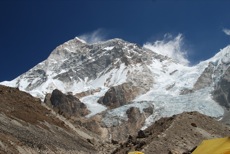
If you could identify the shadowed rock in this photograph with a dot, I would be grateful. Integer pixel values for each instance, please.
(222, 90)
(205, 79)
(66, 105)
(120, 95)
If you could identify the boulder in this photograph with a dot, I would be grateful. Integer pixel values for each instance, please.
(66, 105)
(119, 95)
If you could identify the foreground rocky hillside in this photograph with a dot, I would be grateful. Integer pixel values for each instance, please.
(27, 126)
(30, 126)
(179, 134)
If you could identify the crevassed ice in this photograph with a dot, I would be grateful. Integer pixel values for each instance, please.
(168, 105)
(91, 102)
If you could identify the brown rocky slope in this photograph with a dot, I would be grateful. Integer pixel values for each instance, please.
(29, 126)
(179, 134)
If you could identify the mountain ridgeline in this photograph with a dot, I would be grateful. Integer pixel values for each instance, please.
(113, 89)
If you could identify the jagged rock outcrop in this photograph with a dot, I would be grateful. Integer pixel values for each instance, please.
(222, 90)
(66, 105)
(119, 95)
(205, 78)
(87, 93)
(138, 82)
(38, 74)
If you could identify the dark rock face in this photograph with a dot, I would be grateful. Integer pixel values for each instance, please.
(87, 93)
(133, 114)
(205, 79)
(66, 105)
(41, 77)
(222, 90)
(186, 91)
(47, 100)
(119, 95)
(82, 64)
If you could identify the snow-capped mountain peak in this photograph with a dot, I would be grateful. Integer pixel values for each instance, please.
(133, 73)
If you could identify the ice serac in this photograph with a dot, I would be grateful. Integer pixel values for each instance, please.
(115, 75)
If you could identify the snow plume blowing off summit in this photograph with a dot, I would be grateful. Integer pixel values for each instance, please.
(96, 36)
(170, 46)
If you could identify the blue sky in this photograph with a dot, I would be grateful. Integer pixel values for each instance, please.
(31, 29)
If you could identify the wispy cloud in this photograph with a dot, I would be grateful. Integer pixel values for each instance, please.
(170, 46)
(96, 36)
(226, 31)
